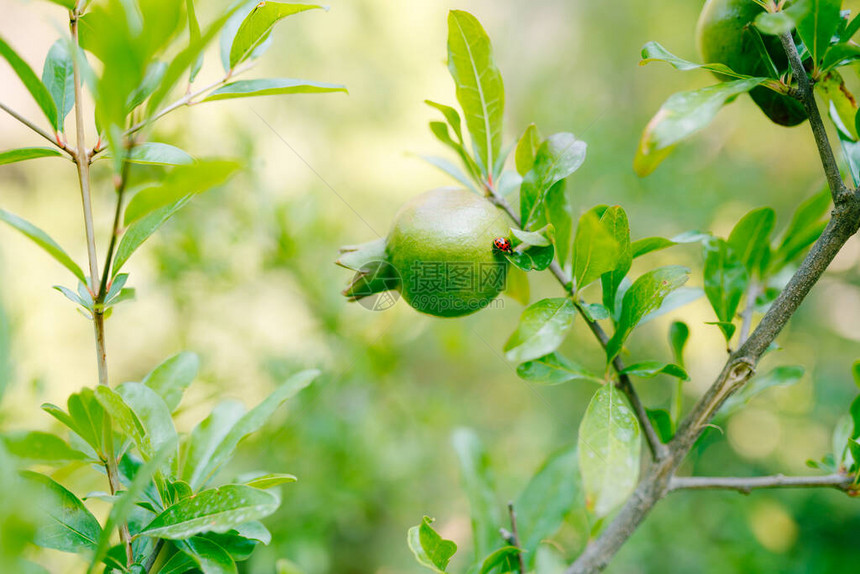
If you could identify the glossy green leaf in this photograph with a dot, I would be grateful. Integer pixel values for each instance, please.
(170, 379)
(726, 281)
(609, 451)
(596, 250)
(837, 98)
(58, 78)
(750, 238)
(527, 148)
(654, 52)
(182, 181)
(840, 55)
(501, 558)
(532, 250)
(683, 114)
(257, 27)
(650, 369)
(209, 557)
(480, 490)
(85, 416)
(451, 116)
(554, 369)
(25, 153)
(679, 333)
(542, 328)
(39, 446)
(430, 550)
(817, 26)
(646, 245)
(214, 510)
(643, 297)
(42, 239)
(615, 221)
(32, 82)
(271, 87)
(559, 214)
(271, 480)
(64, 522)
(155, 153)
(179, 563)
(142, 229)
(214, 440)
(478, 81)
(153, 414)
(662, 422)
(558, 156)
(780, 376)
(553, 492)
(774, 23)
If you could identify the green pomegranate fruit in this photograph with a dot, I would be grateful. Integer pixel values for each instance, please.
(725, 35)
(439, 254)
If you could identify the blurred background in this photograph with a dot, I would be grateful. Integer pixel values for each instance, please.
(245, 278)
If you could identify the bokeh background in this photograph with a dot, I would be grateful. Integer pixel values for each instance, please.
(245, 278)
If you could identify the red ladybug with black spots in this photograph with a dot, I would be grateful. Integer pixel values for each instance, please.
(502, 244)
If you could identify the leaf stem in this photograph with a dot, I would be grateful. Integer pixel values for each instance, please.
(658, 449)
(745, 485)
(516, 536)
(55, 140)
(82, 160)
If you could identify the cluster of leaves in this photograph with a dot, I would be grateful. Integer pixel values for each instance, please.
(596, 249)
(845, 457)
(824, 34)
(130, 56)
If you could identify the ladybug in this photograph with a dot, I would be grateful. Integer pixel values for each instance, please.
(502, 244)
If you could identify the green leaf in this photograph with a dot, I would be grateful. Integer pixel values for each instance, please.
(609, 451)
(840, 55)
(58, 78)
(726, 281)
(615, 221)
(532, 250)
(182, 181)
(32, 82)
(70, 4)
(501, 557)
(774, 23)
(208, 556)
(750, 238)
(644, 296)
(179, 563)
(683, 114)
(271, 480)
(806, 225)
(152, 412)
(40, 447)
(838, 99)
(155, 153)
(257, 27)
(193, 36)
(85, 417)
(650, 369)
(595, 246)
(64, 522)
(480, 90)
(440, 130)
(679, 333)
(646, 245)
(559, 213)
(542, 328)
(817, 26)
(430, 550)
(527, 148)
(855, 372)
(172, 377)
(451, 169)
(271, 87)
(662, 422)
(142, 229)
(654, 52)
(780, 376)
(552, 493)
(214, 440)
(479, 488)
(451, 116)
(25, 153)
(559, 156)
(214, 510)
(42, 239)
(554, 369)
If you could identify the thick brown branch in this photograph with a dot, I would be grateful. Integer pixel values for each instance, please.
(745, 485)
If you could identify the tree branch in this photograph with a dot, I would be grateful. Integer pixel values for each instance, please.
(658, 449)
(745, 485)
(53, 139)
(741, 364)
(807, 98)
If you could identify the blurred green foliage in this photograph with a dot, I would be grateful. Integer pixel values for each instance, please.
(244, 277)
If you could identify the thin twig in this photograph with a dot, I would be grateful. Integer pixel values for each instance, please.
(745, 485)
(121, 185)
(82, 161)
(516, 537)
(658, 449)
(53, 139)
